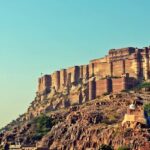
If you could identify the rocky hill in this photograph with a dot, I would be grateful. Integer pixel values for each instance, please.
(86, 126)
(85, 107)
(120, 70)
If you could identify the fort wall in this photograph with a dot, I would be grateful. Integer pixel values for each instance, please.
(118, 84)
(73, 74)
(118, 68)
(63, 78)
(132, 61)
(84, 71)
(92, 90)
(103, 86)
(91, 69)
(56, 80)
(44, 83)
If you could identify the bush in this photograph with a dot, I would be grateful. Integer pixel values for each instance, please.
(127, 90)
(127, 132)
(147, 113)
(143, 85)
(106, 93)
(43, 125)
(147, 109)
(116, 77)
(105, 147)
(123, 148)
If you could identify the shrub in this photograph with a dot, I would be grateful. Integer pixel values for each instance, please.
(147, 113)
(127, 90)
(116, 77)
(123, 148)
(43, 125)
(105, 147)
(106, 93)
(147, 109)
(127, 132)
(142, 85)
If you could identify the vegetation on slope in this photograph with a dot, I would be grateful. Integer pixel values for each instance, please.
(143, 85)
(105, 147)
(147, 113)
(42, 125)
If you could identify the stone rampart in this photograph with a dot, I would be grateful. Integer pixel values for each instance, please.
(132, 61)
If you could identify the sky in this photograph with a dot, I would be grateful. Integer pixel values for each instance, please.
(41, 36)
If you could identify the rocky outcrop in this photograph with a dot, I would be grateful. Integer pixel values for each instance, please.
(88, 125)
(88, 103)
(96, 123)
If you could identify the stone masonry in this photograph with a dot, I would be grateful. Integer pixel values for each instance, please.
(107, 71)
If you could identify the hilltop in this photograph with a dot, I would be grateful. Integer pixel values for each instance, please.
(89, 105)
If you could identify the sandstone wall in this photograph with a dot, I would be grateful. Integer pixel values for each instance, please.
(99, 69)
(73, 74)
(124, 83)
(129, 60)
(118, 68)
(91, 69)
(63, 78)
(44, 83)
(104, 70)
(100, 60)
(115, 54)
(103, 86)
(118, 84)
(92, 90)
(84, 71)
(145, 62)
(56, 80)
(132, 67)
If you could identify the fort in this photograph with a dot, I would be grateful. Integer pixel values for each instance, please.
(120, 70)
(96, 122)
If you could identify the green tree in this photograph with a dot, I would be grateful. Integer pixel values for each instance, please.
(43, 125)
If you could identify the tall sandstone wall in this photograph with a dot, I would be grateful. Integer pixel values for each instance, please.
(92, 89)
(103, 86)
(118, 84)
(84, 71)
(73, 74)
(63, 78)
(108, 85)
(56, 80)
(132, 61)
(44, 83)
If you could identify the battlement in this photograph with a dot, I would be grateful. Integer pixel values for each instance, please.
(100, 60)
(62, 78)
(121, 52)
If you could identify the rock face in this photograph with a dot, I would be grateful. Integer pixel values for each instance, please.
(95, 123)
(88, 126)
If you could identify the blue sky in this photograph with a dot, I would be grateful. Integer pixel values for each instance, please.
(47, 35)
